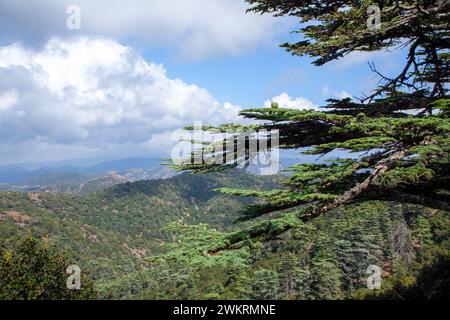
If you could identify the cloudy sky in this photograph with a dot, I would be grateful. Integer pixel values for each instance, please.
(137, 70)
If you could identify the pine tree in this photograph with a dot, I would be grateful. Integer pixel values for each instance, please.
(265, 285)
(405, 151)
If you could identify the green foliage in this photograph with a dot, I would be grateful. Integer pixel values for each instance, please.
(33, 271)
(324, 259)
(402, 130)
(111, 233)
(403, 158)
(313, 236)
(333, 29)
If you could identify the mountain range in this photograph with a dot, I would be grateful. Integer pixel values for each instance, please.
(81, 179)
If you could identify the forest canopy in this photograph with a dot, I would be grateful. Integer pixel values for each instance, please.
(401, 128)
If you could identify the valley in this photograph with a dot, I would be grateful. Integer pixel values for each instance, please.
(146, 240)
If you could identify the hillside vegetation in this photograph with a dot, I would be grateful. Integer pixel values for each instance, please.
(110, 233)
(148, 240)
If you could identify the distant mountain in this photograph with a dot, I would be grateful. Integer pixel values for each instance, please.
(56, 182)
(111, 232)
(161, 172)
(81, 179)
(21, 172)
(101, 183)
(104, 167)
(83, 183)
(13, 173)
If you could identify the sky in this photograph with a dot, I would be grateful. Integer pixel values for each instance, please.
(136, 71)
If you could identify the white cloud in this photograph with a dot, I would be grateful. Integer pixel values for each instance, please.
(8, 99)
(193, 29)
(343, 95)
(94, 96)
(327, 93)
(288, 102)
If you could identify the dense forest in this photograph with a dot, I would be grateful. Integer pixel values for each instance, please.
(148, 240)
(326, 259)
(311, 232)
(112, 232)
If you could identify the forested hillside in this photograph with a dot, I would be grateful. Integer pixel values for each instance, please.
(110, 233)
(325, 259)
(148, 240)
(377, 196)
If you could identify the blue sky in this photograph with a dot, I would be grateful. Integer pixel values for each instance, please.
(137, 71)
(251, 78)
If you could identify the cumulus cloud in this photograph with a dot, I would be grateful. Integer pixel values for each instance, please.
(326, 92)
(288, 102)
(94, 96)
(8, 99)
(343, 95)
(194, 29)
